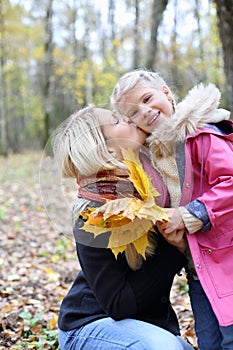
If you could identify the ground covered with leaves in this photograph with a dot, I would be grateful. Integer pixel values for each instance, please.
(38, 261)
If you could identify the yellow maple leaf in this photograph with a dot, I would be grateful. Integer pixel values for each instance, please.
(85, 213)
(141, 244)
(128, 219)
(122, 235)
(96, 230)
(53, 321)
(98, 219)
(142, 182)
(115, 207)
(118, 250)
(129, 233)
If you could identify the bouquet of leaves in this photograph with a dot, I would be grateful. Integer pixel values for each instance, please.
(128, 219)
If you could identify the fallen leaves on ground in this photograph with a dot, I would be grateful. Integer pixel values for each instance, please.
(38, 262)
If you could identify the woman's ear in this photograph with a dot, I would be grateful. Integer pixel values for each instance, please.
(113, 151)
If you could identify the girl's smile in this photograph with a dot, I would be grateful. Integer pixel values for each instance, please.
(146, 106)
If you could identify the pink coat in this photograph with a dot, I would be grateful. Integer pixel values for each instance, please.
(212, 251)
(205, 163)
(208, 177)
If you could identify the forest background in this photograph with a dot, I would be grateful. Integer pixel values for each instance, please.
(57, 56)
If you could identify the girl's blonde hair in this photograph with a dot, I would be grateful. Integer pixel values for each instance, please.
(79, 146)
(128, 81)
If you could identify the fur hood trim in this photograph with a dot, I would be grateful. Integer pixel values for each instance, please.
(198, 108)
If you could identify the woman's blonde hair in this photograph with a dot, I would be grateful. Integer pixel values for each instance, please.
(128, 81)
(80, 149)
(79, 146)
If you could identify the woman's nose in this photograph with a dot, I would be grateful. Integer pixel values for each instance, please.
(121, 117)
(125, 119)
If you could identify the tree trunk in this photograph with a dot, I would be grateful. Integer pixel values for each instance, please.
(76, 55)
(136, 59)
(3, 122)
(88, 56)
(111, 21)
(225, 24)
(89, 85)
(158, 7)
(203, 75)
(48, 47)
(174, 63)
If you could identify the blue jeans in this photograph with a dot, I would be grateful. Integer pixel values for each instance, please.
(125, 334)
(210, 336)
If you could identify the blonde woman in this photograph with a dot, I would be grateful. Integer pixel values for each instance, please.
(123, 302)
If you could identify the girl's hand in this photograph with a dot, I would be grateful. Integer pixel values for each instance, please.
(174, 229)
(175, 221)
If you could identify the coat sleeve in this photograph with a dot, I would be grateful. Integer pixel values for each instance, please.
(216, 155)
(122, 292)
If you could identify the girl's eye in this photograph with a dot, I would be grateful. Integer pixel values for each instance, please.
(117, 122)
(147, 98)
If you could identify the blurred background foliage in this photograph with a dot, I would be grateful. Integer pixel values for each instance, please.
(57, 56)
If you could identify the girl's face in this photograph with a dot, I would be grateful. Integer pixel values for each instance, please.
(120, 134)
(147, 106)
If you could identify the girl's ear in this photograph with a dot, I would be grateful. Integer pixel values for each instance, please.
(167, 92)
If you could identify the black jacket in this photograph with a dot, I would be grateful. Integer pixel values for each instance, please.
(108, 287)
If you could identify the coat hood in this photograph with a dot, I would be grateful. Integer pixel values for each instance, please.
(198, 108)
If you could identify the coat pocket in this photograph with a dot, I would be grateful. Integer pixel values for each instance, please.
(219, 265)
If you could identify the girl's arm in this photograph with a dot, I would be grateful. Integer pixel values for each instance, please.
(217, 178)
(214, 205)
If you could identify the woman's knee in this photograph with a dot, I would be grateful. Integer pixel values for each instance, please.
(68, 340)
(97, 337)
(161, 341)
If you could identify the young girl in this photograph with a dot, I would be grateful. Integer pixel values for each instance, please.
(191, 147)
(110, 305)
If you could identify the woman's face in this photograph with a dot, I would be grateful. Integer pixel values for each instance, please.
(147, 106)
(120, 134)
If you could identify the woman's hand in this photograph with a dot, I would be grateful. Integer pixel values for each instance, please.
(176, 238)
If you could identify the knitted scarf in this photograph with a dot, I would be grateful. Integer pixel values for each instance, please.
(106, 185)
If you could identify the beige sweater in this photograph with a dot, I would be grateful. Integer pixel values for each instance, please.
(169, 172)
